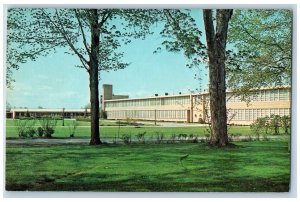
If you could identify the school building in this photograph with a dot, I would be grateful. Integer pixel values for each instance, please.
(194, 108)
(66, 113)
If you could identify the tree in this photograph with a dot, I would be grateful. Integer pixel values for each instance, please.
(216, 47)
(93, 35)
(187, 38)
(262, 53)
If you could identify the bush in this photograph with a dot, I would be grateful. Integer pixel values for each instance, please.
(182, 136)
(25, 128)
(258, 126)
(48, 124)
(85, 119)
(275, 123)
(159, 137)
(201, 121)
(103, 115)
(192, 138)
(173, 138)
(40, 131)
(72, 128)
(286, 124)
(126, 139)
(141, 137)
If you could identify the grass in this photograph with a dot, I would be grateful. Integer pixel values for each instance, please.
(110, 132)
(247, 167)
(67, 122)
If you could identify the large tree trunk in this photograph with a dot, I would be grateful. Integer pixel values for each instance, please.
(216, 43)
(93, 76)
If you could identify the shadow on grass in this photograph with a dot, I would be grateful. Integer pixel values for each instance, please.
(249, 167)
(143, 183)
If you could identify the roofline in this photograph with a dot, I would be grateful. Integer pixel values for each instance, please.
(48, 110)
(143, 98)
(192, 94)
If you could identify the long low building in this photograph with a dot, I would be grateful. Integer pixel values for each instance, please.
(193, 108)
(190, 108)
(66, 113)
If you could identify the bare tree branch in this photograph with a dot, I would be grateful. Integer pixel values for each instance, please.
(82, 32)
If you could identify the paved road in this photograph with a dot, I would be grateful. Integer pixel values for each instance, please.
(77, 141)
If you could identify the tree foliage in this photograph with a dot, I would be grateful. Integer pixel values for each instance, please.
(182, 34)
(36, 32)
(262, 53)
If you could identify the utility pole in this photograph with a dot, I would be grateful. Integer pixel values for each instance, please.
(155, 116)
(63, 117)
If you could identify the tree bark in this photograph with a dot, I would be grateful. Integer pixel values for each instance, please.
(93, 76)
(216, 46)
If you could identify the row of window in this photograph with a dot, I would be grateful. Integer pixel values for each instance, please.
(39, 114)
(261, 95)
(147, 114)
(253, 114)
(264, 95)
(183, 100)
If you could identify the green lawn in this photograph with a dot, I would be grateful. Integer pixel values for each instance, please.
(248, 167)
(112, 131)
(11, 122)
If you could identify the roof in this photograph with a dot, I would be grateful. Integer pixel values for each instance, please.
(186, 95)
(48, 110)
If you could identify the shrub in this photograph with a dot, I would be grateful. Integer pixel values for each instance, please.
(201, 121)
(126, 139)
(85, 119)
(267, 124)
(173, 138)
(286, 124)
(182, 136)
(275, 123)
(31, 132)
(258, 126)
(72, 128)
(40, 131)
(103, 114)
(192, 138)
(159, 137)
(48, 124)
(207, 137)
(25, 127)
(141, 137)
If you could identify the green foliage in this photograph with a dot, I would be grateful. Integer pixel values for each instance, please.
(182, 34)
(40, 131)
(103, 115)
(286, 124)
(25, 128)
(141, 137)
(263, 54)
(48, 125)
(126, 139)
(201, 121)
(275, 123)
(85, 119)
(159, 137)
(258, 127)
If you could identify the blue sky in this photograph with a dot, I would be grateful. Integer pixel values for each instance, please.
(55, 82)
